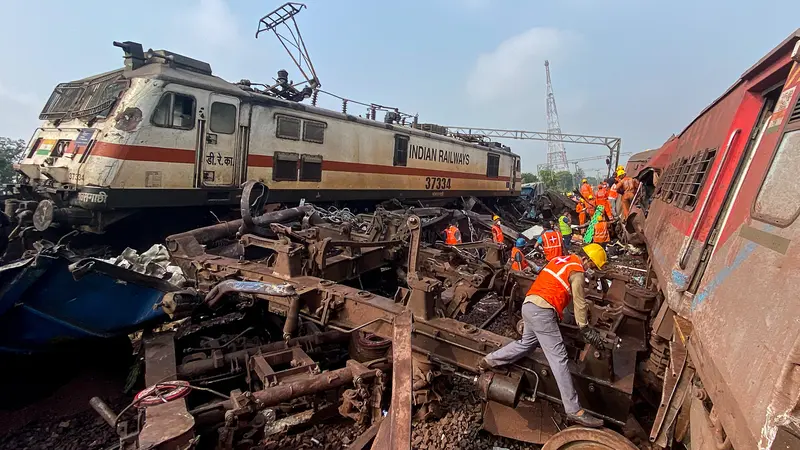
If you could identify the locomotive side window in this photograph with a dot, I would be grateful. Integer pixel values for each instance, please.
(314, 131)
(223, 118)
(285, 166)
(400, 151)
(174, 111)
(492, 165)
(288, 128)
(34, 147)
(311, 168)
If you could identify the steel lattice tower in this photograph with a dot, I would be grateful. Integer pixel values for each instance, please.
(556, 154)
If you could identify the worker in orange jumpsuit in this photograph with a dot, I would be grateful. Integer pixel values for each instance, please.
(602, 199)
(601, 234)
(627, 187)
(580, 208)
(452, 235)
(586, 189)
(497, 231)
(518, 261)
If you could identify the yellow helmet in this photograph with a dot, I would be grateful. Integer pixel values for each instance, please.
(591, 198)
(620, 172)
(583, 180)
(596, 253)
(622, 168)
(495, 217)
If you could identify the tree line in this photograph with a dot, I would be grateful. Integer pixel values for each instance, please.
(11, 152)
(562, 181)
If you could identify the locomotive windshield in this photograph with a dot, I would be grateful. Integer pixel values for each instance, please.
(88, 98)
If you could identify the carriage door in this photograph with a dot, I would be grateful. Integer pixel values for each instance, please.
(514, 170)
(218, 160)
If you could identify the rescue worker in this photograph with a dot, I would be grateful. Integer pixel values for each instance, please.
(627, 188)
(601, 235)
(586, 189)
(551, 241)
(565, 226)
(560, 281)
(581, 208)
(602, 199)
(452, 235)
(612, 199)
(497, 232)
(518, 261)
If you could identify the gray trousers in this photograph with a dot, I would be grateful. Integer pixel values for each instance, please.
(541, 327)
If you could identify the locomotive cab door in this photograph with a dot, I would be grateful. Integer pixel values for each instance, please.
(514, 170)
(218, 161)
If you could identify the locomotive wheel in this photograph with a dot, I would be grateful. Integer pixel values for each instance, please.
(582, 438)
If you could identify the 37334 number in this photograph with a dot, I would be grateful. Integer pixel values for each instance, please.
(437, 183)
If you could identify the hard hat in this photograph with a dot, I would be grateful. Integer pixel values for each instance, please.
(622, 168)
(583, 180)
(520, 242)
(590, 197)
(596, 253)
(495, 217)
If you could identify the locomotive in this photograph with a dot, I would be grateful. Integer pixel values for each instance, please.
(722, 235)
(164, 133)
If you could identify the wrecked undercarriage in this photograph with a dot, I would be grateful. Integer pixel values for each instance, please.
(291, 317)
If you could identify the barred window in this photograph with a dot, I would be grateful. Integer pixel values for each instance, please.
(682, 181)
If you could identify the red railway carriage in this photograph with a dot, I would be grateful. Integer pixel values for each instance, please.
(723, 240)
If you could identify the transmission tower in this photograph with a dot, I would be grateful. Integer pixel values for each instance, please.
(556, 154)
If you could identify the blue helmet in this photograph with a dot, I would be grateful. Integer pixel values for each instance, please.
(520, 242)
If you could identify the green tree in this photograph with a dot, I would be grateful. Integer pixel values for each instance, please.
(11, 151)
(563, 181)
(548, 178)
(529, 177)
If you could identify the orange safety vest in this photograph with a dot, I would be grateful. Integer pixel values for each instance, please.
(552, 242)
(552, 283)
(612, 193)
(514, 264)
(580, 207)
(451, 237)
(497, 234)
(602, 193)
(601, 232)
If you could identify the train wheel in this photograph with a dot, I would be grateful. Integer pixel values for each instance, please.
(581, 438)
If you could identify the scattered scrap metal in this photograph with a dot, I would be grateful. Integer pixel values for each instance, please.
(288, 317)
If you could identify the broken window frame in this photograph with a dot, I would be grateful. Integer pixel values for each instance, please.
(171, 113)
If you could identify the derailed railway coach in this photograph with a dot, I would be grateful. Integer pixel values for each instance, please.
(723, 240)
(165, 133)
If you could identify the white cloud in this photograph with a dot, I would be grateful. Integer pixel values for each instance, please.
(517, 64)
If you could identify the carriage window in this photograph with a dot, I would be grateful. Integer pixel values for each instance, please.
(778, 201)
(492, 165)
(285, 168)
(223, 118)
(174, 111)
(288, 128)
(311, 168)
(400, 151)
(314, 131)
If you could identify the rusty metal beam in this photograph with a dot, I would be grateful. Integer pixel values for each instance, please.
(395, 434)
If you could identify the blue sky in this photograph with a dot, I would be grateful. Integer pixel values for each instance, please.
(640, 70)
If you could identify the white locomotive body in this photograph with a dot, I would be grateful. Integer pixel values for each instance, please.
(164, 133)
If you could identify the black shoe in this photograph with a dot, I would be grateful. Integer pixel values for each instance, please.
(584, 418)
